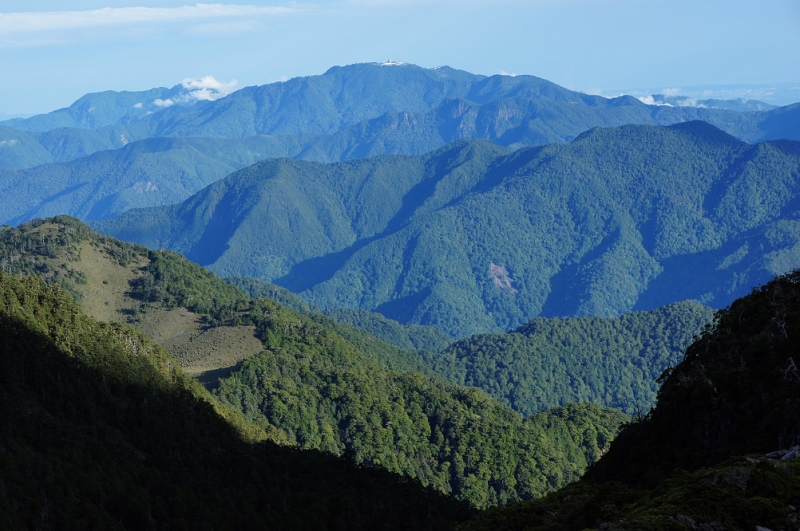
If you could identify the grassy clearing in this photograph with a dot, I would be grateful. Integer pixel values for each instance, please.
(196, 347)
(105, 293)
(102, 286)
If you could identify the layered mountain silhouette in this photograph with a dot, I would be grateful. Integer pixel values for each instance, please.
(440, 102)
(471, 238)
(721, 449)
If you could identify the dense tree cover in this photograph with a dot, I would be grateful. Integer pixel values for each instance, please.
(149, 172)
(325, 394)
(740, 493)
(437, 103)
(316, 384)
(347, 113)
(704, 453)
(100, 429)
(409, 337)
(473, 239)
(737, 391)
(548, 362)
(330, 386)
(99, 110)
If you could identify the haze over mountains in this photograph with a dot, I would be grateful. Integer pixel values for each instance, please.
(436, 106)
(328, 237)
(349, 112)
(471, 238)
(365, 218)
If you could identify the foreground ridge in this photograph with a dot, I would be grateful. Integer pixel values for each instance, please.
(720, 449)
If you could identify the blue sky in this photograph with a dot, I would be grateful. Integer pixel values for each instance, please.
(56, 51)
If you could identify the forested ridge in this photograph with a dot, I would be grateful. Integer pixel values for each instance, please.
(471, 238)
(574, 247)
(350, 394)
(108, 153)
(548, 362)
(151, 455)
(721, 448)
(100, 429)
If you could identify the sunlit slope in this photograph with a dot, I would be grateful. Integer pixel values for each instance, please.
(471, 239)
(101, 429)
(322, 384)
(611, 361)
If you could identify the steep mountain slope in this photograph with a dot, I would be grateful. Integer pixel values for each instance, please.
(325, 385)
(145, 173)
(470, 239)
(548, 362)
(737, 391)
(410, 337)
(545, 363)
(372, 100)
(23, 149)
(721, 449)
(101, 109)
(345, 96)
(101, 429)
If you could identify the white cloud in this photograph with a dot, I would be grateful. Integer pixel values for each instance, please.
(504, 73)
(115, 16)
(163, 103)
(690, 102)
(650, 100)
(671, 91)
(138, 105)
(207, 88)
(12, 142)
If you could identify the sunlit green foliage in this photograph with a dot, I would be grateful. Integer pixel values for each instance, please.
(410, 337)
(699, 459)
(330, 386)
(100, 429)
(548, 362)
(472, 239)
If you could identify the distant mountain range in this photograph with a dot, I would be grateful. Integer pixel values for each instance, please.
(142, 391)
(438, 106)
(471, 238)
(103, 109)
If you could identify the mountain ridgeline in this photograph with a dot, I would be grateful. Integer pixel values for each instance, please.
(312, 382)
(347, 113)
(348, 95)
(100, 429)
(721, 449)
(471, 238)
(613, 362)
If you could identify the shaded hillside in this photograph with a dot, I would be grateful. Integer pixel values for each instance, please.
(325, 385)
(736, 392)
(101, 429)
(470, 239)
(721, 449)
(613, 362)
